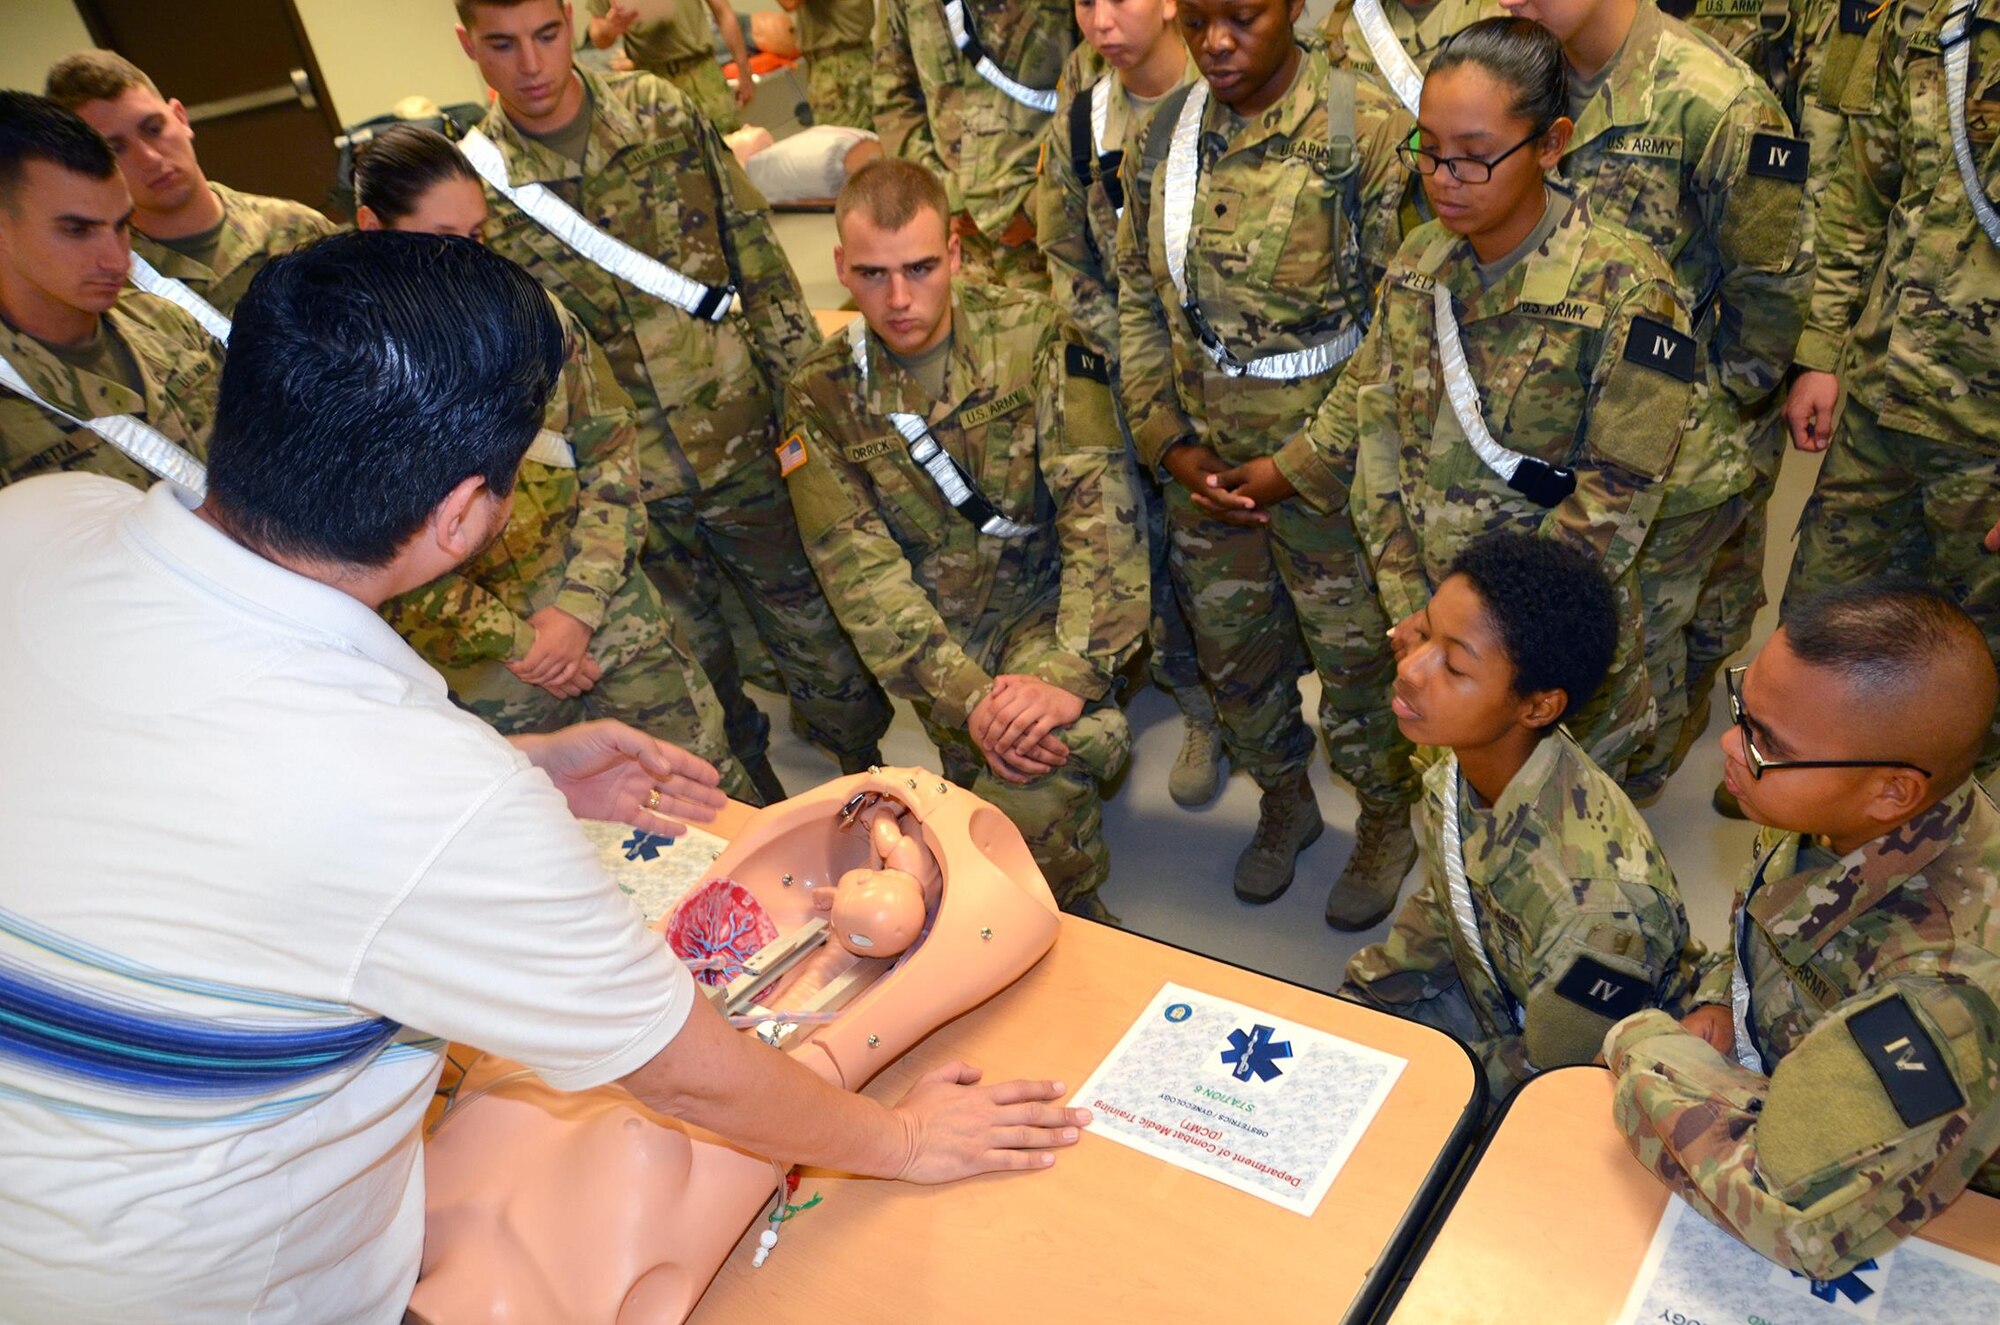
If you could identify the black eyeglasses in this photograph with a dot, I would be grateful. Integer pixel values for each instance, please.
(1759, 765)
(1464, 169)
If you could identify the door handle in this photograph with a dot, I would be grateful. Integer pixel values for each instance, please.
(299, 88)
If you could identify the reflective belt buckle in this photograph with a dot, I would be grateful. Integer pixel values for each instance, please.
(1230, 365)
(1541, 482)
(719, 302)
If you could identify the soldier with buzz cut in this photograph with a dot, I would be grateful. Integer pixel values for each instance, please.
(1259, 214)
(205, 238)
(1682, 144)
(647, 231)
(1902, 323)
(89, 380)
(1840, 1084)
(967, 88)
(554, 622)
(965, 494)
(1547, 910)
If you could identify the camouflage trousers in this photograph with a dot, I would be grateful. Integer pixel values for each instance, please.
(1266, 604)
(1172, 663)
(743, 528)
(1676, 574)
(1413, 974)
(1061, 814)
(701, 81)
(1734, 591)
(651, 680)
(1892, 503)
(837, 87)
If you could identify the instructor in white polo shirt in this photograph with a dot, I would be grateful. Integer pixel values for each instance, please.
(255, 869)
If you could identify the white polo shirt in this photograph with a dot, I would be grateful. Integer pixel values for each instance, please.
(254, 870)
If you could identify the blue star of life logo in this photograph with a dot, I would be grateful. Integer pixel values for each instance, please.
(645, 846)
(1252, 1053)
(1850, 1285)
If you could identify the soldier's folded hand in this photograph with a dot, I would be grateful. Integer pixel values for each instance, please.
(1259, 482)
(1191, 464)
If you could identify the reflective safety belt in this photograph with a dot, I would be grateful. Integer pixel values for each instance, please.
(952, 481)
(1537, 480)
(1460, 892)
(1107, 162)
(967, 40)
(139, 442)
(1747, 1053)
(1957, 41)
(705, 302)
(1405, 79)
(149, 278)
(1177, 221)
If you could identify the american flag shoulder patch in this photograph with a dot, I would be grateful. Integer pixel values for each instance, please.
(792, 455)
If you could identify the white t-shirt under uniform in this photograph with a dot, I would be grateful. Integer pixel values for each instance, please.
(255, 869)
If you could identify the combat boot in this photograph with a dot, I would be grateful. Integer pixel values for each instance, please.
(1384, 850)
(1287, 823)
(861, 763)
(1090, 906)
(765, 778)
(1197, 773)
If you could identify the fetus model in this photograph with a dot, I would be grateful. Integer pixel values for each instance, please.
(841, 926)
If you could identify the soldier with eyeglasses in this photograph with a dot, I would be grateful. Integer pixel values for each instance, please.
(1839, 1083)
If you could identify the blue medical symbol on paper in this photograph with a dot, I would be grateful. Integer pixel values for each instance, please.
(1178, 1012)
(645, 846)
(1253, 1052)
(1850, 1285)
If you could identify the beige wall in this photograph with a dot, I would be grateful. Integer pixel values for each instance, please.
(34, 34)
(376, 52)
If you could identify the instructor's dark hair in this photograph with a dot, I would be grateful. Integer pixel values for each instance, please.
(1520, 53)
(35, 128)
(368, 375)
(400, 164)
(1554, 610)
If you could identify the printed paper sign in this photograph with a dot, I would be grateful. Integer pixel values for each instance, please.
(1265, 1105)
(654, 871)
(1696, 1274)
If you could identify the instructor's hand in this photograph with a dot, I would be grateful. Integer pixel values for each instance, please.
(956, 1128)
(608, 770)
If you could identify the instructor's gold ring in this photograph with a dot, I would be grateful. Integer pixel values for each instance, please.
(653, 799)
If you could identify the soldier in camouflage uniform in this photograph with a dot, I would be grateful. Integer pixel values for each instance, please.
(681, 49)
(836, 39)
(210, 238)
(554, 623)
(1908, 485)
(1005, 610)
(1684, 146)
(1293, 210)
(1855, 1092)
(1078, 202)
(87, 352)
(934, 105)
(1578, 919)
(1418, 29)
(655, 175)
(1576, 343)
(1760, 33)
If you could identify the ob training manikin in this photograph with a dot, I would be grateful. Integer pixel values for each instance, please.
(842, 926)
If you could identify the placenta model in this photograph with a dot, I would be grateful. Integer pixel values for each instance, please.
(841, 927)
